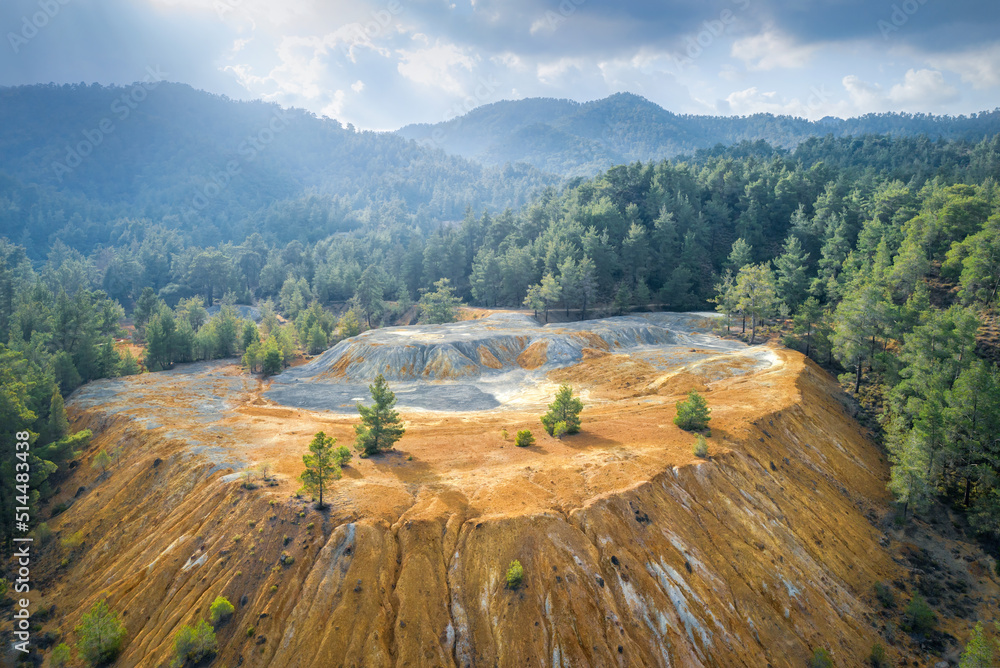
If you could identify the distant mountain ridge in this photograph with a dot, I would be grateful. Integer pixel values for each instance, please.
(73, 158)
(584, 138)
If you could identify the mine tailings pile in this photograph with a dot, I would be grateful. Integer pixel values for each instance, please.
(752, 558)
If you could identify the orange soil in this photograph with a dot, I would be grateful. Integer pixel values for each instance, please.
(635, 552)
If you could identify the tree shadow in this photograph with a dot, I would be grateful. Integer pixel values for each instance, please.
(403, 465)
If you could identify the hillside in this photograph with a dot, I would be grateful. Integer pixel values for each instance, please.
(635, 552)
(74, 159)
(582, 139)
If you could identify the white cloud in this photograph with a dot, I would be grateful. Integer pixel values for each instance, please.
(981, 67)
(335, 107)
(550, 73)
(436, 65)
(863, 94)
(509, 60)
(358, 86)
(920, 90)
(771, 49)
(814, 102)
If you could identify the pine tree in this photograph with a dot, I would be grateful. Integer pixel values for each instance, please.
(858, 322)
(321, 466)
(725, 297)
(100, 634)
(349, 325)
(565, 409)
(756, 294)
(249, 336)
(194, 644)
(809, 314)
(973, 416)
(271, 357)
(380, 425)
(440, 306)
(740, 256)
(790, 268)
(534, 300)
(486, 280)
(317, 339)
(569, 282)
(836, 245)
(549, 291)
(635, 255)
(694, 413)
(102, 460)
(58, 424)
(979, 651)
(370, 292)
(587, 273)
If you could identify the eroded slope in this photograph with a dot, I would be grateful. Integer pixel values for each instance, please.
(635, 553)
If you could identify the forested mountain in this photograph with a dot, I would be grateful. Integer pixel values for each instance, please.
(75, 158)
(850, 238)
(582, 139)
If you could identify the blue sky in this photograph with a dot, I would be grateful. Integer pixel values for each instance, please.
(381, 64)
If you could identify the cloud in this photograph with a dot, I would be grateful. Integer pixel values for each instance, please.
(436, 66)
(772, 49)
(920, 90)
(552, 72)
(754, 101)
(979, 67)
(418, 61)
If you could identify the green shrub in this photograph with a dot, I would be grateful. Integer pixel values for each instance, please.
(194, 645)
(879, 658)
(559, 429)
(700, 447)
(43, 534)
(884, 595)
(60, 656)
(515, 575)
(524, 438)
(73, 541)
(100, 635)
(821, 659)
(221, 610)
(565, 409)
(918, 618)
(250, 631)
(694, 413)
(342, 455)
(504, 434)
(979, 651)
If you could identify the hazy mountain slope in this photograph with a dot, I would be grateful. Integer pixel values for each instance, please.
(574, 138)
(170, 150)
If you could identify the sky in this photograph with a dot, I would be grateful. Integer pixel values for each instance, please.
(381, 64)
